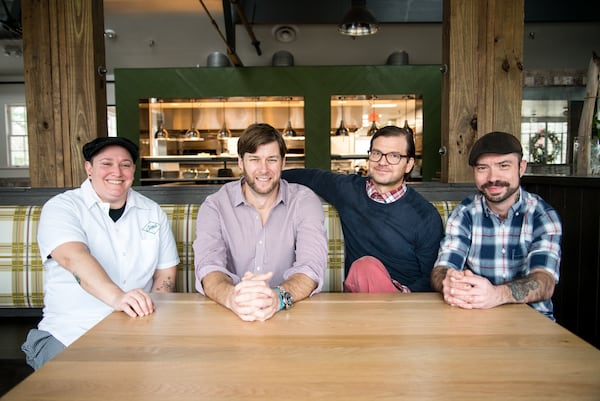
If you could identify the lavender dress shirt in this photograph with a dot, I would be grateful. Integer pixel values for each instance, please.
(231, 238)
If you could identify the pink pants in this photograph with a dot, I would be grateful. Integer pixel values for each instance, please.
(368, 274)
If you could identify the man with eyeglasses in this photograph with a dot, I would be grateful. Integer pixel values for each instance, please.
(391, 233)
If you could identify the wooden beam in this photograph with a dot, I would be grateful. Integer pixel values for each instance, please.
(65, 87)
(482, 89)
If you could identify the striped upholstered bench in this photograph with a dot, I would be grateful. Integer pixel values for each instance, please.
(21, 271)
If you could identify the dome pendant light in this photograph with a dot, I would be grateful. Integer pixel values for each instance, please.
(406, 126)
(192, 133)
(162, 132)
(224, 132)
(289, 131)
(342, 130)
(373, 117)
(358, 21)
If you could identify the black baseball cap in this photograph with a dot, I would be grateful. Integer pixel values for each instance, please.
(95, 146)
(496, 142)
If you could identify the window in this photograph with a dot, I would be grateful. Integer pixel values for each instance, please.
(16, 129)
(111, 116)
(544, 132)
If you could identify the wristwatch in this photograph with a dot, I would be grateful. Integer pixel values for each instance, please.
(285, 298)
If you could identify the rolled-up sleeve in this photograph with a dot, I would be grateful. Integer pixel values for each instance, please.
(210, 248)
(545, 250)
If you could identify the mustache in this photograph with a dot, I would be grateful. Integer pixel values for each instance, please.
(495, 184)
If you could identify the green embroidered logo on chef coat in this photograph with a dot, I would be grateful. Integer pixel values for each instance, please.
(151, 227)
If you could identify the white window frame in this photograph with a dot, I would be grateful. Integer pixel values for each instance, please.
(16, 136)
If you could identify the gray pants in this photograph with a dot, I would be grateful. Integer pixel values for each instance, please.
(39, 347)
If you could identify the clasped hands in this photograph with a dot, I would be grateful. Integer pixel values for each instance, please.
(252, 299)
(467, 290)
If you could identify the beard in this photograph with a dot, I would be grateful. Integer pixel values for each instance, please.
(261, 190)
(498, 198)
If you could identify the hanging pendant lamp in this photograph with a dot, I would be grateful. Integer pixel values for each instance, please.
(406, 126)
(289, 131)
(162, 132)
(224, 132)
(193, 132)
(373, 118)
(342, 130)
(358, 21)
(256, 99)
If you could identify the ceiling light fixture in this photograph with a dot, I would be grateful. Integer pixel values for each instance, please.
(193, 132)
(373, 117)
(162, 132)
(342, 130)
(289, 131)
(224, 132)
(406, 126)
(358, 21)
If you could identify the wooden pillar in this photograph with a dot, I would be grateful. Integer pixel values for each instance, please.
(65, 86)
(482, 87)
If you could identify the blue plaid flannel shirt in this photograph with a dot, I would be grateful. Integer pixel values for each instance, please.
(504, 250)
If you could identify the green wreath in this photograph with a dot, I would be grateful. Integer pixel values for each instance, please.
(544, 147)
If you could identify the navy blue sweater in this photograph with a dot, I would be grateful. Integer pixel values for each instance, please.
(404, 235)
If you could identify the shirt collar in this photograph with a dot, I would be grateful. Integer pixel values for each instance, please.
(388, 197)
(91, 198)
(515, 207)
(239, 198)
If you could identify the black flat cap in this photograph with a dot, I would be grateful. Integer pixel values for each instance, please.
(95, 146)
(496, 142)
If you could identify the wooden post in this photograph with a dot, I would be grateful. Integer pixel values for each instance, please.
(65, 86)
(584, 133)
(482, 89)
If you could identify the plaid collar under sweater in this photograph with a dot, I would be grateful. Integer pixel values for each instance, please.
(387, 197)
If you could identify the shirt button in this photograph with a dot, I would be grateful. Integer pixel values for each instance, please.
(257, 268)
(503, 251)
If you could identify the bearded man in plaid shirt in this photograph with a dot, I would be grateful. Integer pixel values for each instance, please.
(501, 245)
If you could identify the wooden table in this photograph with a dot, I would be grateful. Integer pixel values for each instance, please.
(331, 347)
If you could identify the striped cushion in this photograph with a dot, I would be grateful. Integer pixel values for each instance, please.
(334, 277)
(445, 208)
(183, 224)
(21, 271)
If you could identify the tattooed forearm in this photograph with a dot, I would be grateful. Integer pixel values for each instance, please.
(520, 288)
(166, 285)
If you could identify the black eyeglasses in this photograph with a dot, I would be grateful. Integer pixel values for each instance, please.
(391, 157)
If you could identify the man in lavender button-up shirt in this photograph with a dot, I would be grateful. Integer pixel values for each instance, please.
(260, 242)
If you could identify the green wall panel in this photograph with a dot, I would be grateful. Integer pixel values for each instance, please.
(315, 84)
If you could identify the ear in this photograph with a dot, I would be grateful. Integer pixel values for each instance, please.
(522, 168)
(240, 163)
(88, 168)
(409, 165)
